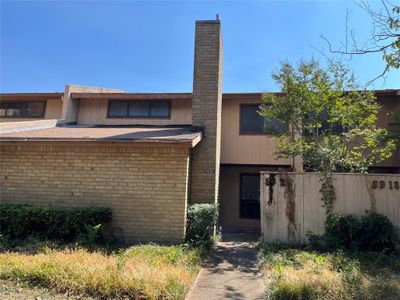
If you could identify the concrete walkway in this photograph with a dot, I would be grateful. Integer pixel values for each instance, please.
(230, 272)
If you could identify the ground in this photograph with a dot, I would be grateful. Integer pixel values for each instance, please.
(235, 269)
(230, 272)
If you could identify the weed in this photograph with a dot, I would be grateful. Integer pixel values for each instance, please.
(300, 273)
(139, 272)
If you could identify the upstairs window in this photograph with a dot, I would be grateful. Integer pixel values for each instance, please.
(252, 123)
(23, 109)
(139, 109)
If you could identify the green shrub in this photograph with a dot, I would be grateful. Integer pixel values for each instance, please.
(371, 232)
(201, 221)
(342, 231)
(377, 233)
(19, 221)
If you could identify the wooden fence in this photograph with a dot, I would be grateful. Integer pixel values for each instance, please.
(291, 202)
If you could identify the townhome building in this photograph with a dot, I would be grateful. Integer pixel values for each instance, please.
(149, 155)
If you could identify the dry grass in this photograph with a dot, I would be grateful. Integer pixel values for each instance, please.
(140, 272)
(11, 290)
(300, 274)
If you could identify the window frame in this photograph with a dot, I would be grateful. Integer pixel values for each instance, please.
(25, 102)
(241, 132)
(240, 196)
(150, 102)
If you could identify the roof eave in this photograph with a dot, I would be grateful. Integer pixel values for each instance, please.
(139, 96)
(187, 143)
(31, 96)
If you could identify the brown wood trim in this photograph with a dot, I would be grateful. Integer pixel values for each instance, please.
(132, 96)
(31, 96)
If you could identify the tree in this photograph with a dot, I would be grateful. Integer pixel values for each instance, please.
(385, 36)
(333, 122)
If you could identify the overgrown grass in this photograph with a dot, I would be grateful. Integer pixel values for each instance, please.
(298, 273)
(139, 272)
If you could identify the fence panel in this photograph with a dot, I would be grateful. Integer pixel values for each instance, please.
(291, 202)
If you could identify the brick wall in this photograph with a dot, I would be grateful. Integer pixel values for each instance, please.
(145, 187)
(206, 111)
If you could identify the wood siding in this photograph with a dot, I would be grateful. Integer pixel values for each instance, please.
(239, 148)
(94, 112)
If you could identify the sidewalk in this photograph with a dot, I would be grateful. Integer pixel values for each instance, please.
(230, 272)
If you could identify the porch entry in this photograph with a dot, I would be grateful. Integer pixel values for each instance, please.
(239, 197)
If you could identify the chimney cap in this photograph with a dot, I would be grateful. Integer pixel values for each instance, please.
(208, 21)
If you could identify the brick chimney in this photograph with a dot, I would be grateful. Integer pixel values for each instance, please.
(206, 111)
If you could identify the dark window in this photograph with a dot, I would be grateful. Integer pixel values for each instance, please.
(139, 109)
(394, 127)
(159, 109)
(118, 108)
(337, 127)
(252, 122)
(250, 196)
(22, 109)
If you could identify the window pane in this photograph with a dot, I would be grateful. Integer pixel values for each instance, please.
(159, 109)
(34, 109)
(139, 109)
(337, 128)
(118, 108)
(16, 109)
(3, 109)
(274, 126)
(250, 120)
(250, 187)
(250, 196)
(22, 109)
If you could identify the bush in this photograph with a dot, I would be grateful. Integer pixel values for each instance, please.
(341, 232)
(201, 220)
(377, 233)
(373, 232)
(19, 221)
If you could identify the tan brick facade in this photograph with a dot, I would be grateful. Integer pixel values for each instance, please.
(146, 187)
(206, 111)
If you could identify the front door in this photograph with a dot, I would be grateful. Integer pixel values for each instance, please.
(250, 196)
